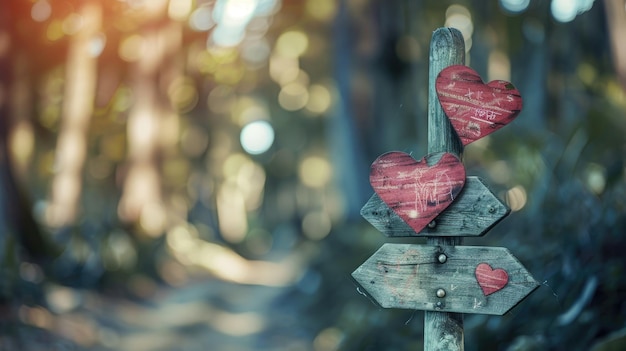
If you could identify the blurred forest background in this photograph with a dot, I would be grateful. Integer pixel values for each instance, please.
(188, 174)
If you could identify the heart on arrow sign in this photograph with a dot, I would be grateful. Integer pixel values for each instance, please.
(489, 279)
(476, 109)
(416, 191)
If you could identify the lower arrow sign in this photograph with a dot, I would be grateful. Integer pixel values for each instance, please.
(463, 279)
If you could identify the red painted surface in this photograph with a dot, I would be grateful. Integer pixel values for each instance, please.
(476, 109)
(489, 279)
(415, 191)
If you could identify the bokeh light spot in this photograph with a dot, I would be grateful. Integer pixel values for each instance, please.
(595, 178)
(514, 6)
(516, 198)
(54, 31)
(179, 10)
(499, 66)
(459, 17)
(201, 19)
(220, 99)
(292, 44)
(563, 10)
(231, 213)
(40, 11)
(153, 219)
(316, 225)
(22, 142)
(293, 97)
(321, 10)
(234, 12)
(257, 137)
(319, 99)
(252, 113)
(97, 44)
(183, 94)
(72, 24)
(315, 171)
(130, 48)
(328, 339)
(256, 52)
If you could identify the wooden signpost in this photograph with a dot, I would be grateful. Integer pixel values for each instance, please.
(433, 198)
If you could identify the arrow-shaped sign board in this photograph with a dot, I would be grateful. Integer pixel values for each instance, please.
(473, 213)
(462, 279)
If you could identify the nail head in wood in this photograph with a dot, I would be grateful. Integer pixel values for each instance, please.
(441, 293)
(442, 258)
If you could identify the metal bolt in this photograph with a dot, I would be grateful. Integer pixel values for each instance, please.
(432, 224)
(442, 258)
(439, 305)
(491, 209)
(441, 293)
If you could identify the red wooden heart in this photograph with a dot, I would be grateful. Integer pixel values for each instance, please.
(476, 109)
(489, 279)
(416, 191)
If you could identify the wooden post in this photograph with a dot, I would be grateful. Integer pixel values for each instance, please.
(442, 330)
(444, 278)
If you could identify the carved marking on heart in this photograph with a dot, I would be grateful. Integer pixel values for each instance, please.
(416, 191)
(474, 108)
(489, 279)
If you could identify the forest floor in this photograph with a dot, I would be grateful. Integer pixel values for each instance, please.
(205, 314)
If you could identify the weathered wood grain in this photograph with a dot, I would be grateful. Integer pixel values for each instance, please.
(413, 277)
(474, 212)
(443, 331)
(414, 190)
(474, 108)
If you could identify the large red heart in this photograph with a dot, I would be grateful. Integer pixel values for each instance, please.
(416, 191)
(489, 279)
(476, 109)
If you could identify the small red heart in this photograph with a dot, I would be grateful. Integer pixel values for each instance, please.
(476, 109)
(489, 279)
(416, 191)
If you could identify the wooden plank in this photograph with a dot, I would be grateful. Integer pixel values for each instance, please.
(443, 331)
(462, 279)
(473, 213)
(417, 190)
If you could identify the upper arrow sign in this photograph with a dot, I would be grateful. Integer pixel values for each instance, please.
(473, 213)
(462, 279)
